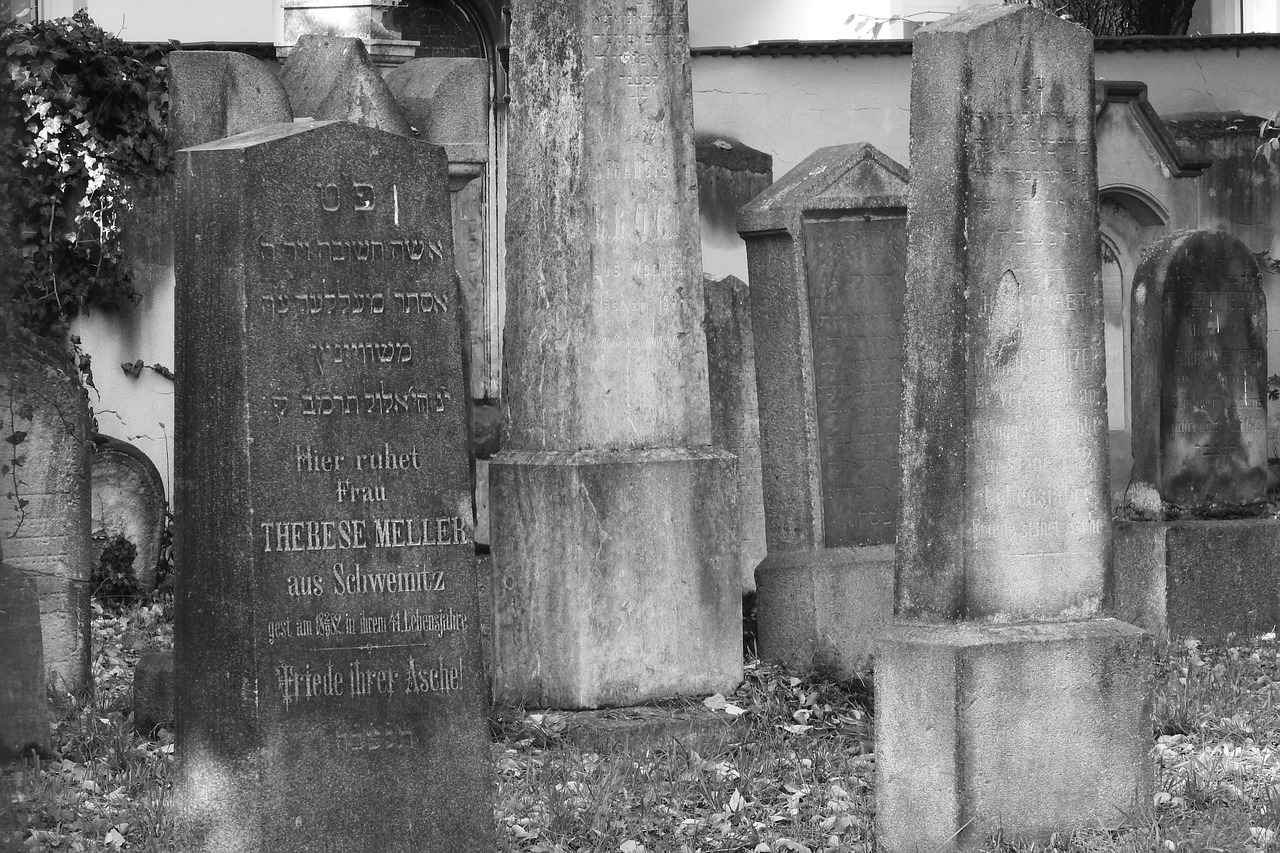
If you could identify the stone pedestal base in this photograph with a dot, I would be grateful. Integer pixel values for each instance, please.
(616, 578)
(1203, 579)
(824, 608)
(1026, 729)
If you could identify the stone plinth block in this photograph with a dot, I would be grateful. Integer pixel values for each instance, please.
(616, 581)
(24, 707)
(44, 525)
(1025, 729)
(1198, 578)
(822, 609)
(1199, 373)
(326, 631)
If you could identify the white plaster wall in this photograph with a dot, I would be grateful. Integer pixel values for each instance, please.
(161, 20)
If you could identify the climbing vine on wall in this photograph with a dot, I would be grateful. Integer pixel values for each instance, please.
(83, 121)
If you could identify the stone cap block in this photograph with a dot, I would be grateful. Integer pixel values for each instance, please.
(330, 77)
(217, 93)
(839, 178)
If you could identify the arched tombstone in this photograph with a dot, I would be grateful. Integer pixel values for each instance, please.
(44, 503)
(128, 500)
(1199, 375)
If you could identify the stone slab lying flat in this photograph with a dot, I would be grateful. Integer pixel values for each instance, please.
(983, 727)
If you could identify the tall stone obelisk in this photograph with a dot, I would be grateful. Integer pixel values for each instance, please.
(1005, 701)
(613, 519)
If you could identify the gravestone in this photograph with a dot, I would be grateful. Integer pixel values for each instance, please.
(44, 506)
(326, 621)
(735, 420)
(217, 93)
(1199, 374)
(730, 174)
(24, 705)
(1004, 701)
(826, 247)
(614, 522)
(128, 500)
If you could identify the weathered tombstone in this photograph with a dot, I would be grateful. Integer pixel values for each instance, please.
(614, 524)
(128, 500)
(44, 506)
(1199, 374)
(730, 174)
(24, 705)
(1004, 702)
(326, 623)
(217, 93)
(735, 420)
(826, 247)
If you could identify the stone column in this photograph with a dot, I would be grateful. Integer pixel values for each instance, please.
(1005, 700)
(613, 521)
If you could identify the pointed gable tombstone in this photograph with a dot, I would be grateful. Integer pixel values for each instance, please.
(826, 249)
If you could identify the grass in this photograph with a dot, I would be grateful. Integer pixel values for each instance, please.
(801, 779)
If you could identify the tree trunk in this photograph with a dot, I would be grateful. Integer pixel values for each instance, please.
(1123, 17)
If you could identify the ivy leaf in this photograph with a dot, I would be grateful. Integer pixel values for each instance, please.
(17, 437)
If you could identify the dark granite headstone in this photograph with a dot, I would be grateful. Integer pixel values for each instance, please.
(327, 622)
(24, 707)
(1199, 373)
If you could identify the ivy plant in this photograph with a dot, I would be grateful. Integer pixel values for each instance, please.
(87, 124)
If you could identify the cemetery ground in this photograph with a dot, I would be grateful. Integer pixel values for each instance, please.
(798, 776)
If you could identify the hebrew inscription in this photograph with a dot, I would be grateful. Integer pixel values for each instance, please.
(855, 270)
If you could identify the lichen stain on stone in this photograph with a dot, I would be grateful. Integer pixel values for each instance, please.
(1004, 326)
